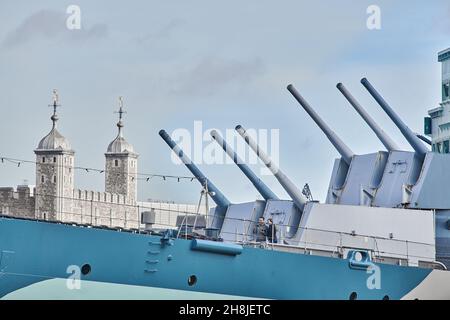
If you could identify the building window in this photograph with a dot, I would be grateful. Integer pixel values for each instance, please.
(43, 159)
(116, 163)
(446, 148)
(54, 179)
(54, 159)
(445, 91)
(42, 179)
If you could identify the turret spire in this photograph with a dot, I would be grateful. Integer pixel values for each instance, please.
(120, 112)
(119, 144)
(55, 104)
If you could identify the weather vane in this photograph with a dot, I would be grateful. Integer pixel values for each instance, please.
(55, 97)
(120, 112)
(55, 104)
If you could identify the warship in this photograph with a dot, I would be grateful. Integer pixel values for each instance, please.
(382, 232)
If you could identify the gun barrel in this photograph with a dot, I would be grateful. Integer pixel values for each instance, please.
(424, 139)
(409, 135)
(385, 139)
(341, 147)
(262, 188)
(215, 193)
(295, 194)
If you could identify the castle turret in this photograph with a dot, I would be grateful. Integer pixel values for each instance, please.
(121, 164)
(54, 172)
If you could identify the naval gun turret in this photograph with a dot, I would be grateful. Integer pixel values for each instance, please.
(354, 177)
(403, 168)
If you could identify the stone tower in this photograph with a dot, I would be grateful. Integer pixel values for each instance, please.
(54, 173)
(121, 164)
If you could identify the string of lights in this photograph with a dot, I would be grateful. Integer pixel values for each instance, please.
(139, 176)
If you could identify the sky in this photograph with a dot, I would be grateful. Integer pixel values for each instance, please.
(220, 62)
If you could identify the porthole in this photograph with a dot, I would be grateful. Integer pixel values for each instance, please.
(86, 269)
(353, 296)
(192, 280)
(358, 256)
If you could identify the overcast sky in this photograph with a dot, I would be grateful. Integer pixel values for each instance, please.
(222, 62)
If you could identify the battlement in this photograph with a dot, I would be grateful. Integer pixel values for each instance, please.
(21, 191)
(19, 201)
(105, 197)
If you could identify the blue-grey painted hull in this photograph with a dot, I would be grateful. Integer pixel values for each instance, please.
(35, 251)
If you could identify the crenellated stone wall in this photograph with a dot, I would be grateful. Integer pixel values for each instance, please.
(102, 208)
(18, 203)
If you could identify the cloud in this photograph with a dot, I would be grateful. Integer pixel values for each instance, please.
(212, 74)
(163, 33)
(49, 24)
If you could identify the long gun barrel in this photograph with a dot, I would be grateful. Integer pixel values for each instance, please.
(341, 147)
(385, 139)
(262, 188)
(215, 193)
(415, 142)
(285, 182)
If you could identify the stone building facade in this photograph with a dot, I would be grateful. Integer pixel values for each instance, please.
(55, 197)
